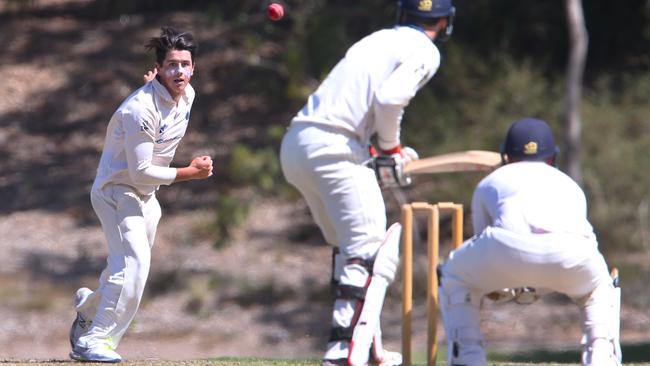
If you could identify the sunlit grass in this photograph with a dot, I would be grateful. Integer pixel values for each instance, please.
(263, 362)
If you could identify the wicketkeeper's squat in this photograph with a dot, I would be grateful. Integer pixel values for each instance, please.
(531, 231)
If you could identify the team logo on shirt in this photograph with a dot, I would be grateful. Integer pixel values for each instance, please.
(162, 141)
(425, 5)
(530, 148)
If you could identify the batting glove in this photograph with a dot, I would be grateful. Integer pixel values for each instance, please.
(389, 166)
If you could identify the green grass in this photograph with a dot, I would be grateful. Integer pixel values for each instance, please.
(635, 355)
(230, 361)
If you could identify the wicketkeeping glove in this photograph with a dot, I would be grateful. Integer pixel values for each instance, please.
(520, 295)
(389, 166)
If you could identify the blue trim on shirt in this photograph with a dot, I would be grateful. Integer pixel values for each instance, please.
(416, 27)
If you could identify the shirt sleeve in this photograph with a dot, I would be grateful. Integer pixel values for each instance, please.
(396, 92)
(388, 121)
(480, 213)
(139, 145)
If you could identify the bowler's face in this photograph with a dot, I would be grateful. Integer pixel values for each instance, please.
(176, 71)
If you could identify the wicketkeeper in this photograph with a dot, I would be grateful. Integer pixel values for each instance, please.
(325, 153)
(531, 232)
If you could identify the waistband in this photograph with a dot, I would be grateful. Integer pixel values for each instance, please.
(326, 126)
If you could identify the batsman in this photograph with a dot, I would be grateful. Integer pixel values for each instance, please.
(325, 155)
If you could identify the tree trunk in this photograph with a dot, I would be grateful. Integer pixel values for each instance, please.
(575, 69)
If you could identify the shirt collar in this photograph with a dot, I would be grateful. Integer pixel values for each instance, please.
(416, 28)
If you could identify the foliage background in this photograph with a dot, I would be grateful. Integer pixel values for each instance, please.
(506, 60)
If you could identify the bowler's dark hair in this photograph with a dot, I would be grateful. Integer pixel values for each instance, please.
(172, 39)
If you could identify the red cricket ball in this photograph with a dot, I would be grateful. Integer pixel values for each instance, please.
(275, 11)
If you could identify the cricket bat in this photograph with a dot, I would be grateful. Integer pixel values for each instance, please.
(461, 161)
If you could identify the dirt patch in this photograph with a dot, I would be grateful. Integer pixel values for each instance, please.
(263, 295)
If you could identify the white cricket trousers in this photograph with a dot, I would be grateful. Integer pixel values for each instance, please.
(326, 165)
(129, 222)
(498, 259)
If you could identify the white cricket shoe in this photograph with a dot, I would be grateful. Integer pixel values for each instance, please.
(80, 324)
(101, 352)
(600, 353)
(389, 358)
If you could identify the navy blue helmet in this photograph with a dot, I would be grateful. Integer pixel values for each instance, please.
(429, 9)
(529, 139)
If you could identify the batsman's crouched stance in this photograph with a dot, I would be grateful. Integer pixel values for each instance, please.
(366, 258)
(325, 155)
(531, 231)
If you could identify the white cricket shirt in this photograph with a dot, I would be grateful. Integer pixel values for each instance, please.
(530, 197)
(142, 137)
(367, 90)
